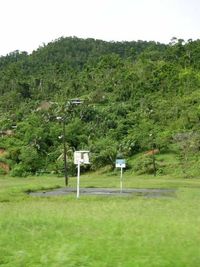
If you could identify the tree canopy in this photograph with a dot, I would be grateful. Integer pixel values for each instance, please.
(135, 94)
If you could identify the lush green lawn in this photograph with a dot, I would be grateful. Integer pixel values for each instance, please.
(99, 231)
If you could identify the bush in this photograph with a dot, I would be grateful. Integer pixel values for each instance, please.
(57, 167)
(103, 153)
(19, 171)
(2, 171)
(144, 165)
(30, 158)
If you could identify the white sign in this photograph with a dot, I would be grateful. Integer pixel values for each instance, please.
(120, 163)
(81, 157)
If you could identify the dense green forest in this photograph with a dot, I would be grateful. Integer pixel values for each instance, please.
(136, 97)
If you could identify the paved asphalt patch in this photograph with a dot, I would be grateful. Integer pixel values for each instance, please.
(149, 193)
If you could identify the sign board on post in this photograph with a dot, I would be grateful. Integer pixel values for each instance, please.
(120, 163)
(80, 157)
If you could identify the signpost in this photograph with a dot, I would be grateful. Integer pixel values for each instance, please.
(80, 157)
(120, 163)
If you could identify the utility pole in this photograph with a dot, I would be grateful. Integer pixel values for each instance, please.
(66, 109)
(65, 154)
(153, 153)
(154, 161)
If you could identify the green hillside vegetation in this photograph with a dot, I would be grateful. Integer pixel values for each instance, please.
(138, 96)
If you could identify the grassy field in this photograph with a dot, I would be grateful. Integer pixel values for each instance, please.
(99, 231)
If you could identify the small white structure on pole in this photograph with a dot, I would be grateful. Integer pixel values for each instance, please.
(80, 157)
(120, 163)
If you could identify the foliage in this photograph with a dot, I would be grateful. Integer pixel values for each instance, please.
(145, 165)
(104, 153)
(189, 145)
(132, 90)
(19, 170)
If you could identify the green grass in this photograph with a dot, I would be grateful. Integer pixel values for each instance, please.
(99, 231)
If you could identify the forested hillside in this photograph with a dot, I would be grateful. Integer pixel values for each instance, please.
(136, 97)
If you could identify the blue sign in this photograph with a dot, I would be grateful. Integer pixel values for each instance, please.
(120, 163)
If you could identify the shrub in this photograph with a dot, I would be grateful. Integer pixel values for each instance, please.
(144, 165)
(2, 171)
(19, 171)
(30, 159)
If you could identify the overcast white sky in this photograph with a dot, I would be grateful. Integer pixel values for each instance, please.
(27, 24)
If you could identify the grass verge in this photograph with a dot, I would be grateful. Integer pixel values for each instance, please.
(97, 231)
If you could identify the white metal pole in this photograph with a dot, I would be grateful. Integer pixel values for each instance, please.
(121, 180)
(78, 179)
